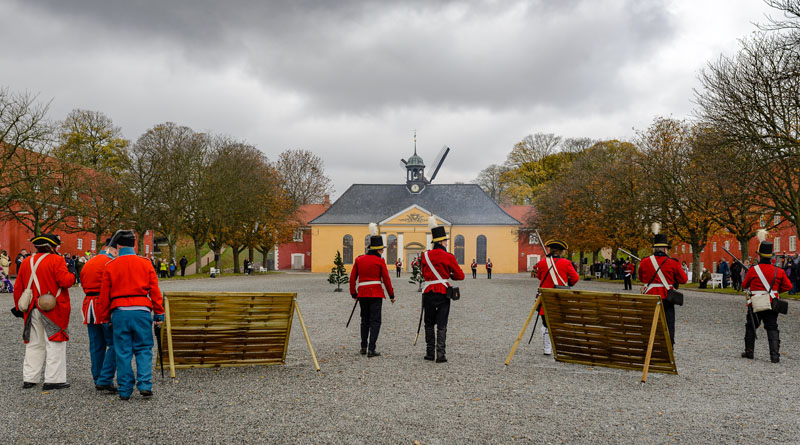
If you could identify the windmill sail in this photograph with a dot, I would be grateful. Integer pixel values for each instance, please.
(437, 163)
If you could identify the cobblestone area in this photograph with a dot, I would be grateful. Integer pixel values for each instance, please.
(717, 397)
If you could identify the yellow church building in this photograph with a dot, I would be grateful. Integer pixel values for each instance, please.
(478, 228)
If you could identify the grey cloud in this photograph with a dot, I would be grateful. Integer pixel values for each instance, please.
(366, 57)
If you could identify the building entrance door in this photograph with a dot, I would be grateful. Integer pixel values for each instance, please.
(298, 261)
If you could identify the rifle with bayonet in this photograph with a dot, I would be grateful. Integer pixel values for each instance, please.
(541, 243)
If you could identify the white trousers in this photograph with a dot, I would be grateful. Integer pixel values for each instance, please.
(41, 351)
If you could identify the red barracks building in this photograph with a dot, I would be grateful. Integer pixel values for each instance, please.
(784, 238)
(296, 255)
(14, 237)
(529, 252)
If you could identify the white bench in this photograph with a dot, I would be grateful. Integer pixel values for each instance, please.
(716, 280)
(213, 272)
(262, 269)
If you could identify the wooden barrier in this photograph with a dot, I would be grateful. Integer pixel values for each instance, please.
(214, 329)
(627, 331)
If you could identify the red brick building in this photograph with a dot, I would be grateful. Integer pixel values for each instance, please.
(296, 255)
(784, 238)
(529, 252)
(14, 237)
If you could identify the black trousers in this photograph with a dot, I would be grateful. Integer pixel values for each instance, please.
(769, 317)
(628, 283)
(437, 309)
(398, 272)
(370, 321)
(489, 272)
(474, 273)
(183, 271)
(669, 313)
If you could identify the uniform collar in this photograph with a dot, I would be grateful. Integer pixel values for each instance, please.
(126, 251)
(765, 261)
(660, 254)
(439, 246)
(374, 252)
(103, 252)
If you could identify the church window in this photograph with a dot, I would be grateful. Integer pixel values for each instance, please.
(458, 249)
(391, 249)
(347, 249)
(480, 249)
(366, 243)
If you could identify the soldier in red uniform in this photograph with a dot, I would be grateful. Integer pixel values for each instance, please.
(474, 267)
(128, 294)
(764, 277)
(554, 272)
(489, 266)
(627, 272)
(438, 265)
(660, 273)
(369, 271)
(45, 332)
(101, 341)
(398, 265)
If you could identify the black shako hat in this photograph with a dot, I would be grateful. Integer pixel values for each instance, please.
(375, 240)
(438, 233)
(46, 239)
(556, 244)
(108, 241)
(124, 238)
(659, 239)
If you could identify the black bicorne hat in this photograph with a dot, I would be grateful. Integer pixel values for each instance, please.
(556, 244)
(124, 238)
(46, 239)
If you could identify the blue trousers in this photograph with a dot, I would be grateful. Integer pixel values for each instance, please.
(101, 350)
(133, 337)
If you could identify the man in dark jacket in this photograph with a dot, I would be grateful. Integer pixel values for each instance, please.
(183, 262)
(20, 256)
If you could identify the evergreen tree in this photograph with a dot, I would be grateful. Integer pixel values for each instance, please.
(338, 274)
(416, 274)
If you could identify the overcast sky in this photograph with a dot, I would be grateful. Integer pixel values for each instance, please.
(352, 80)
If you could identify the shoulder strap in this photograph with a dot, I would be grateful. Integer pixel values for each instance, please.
(554, 275)
(435, 272)
(658, 272)
(33, 278)
(764, 279)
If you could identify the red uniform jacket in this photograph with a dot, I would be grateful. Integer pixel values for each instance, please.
(670, 267)
(488, 265)
(370, 269)
(474, 265)
(128, 280)
(780, 282)
(52, 274)
(629, 269)
(566, 274)
(445, 264)
(398, 264)
(91, 280)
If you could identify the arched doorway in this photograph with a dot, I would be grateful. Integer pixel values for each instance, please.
(411, 250)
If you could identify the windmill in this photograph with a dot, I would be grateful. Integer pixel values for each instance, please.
(415, 165)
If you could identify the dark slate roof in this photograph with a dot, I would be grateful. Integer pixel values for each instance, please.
(460, 204)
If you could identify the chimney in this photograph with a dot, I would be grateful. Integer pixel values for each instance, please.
(327, 201)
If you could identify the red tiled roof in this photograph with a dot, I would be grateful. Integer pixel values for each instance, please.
(307, 212)
(520, 213)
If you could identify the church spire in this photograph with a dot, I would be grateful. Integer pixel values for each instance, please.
(415, 141)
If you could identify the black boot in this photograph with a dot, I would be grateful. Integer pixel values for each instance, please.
(364, 338)
(774, 345)
(749, 343)
(441, 339)
(430, 341)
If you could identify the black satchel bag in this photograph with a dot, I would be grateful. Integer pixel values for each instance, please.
(780, 306)
(453, 293)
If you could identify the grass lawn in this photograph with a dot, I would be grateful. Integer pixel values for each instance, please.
(226, 260)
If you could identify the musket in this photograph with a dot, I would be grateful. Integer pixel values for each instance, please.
(157, 330)
(351, 314)
(629, 254)
(541, 243)
(749, 306)
(534, 327)
(419, 326)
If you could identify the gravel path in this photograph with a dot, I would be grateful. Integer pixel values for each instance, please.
(400, 398)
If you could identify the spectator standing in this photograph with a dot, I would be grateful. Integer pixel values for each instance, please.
(705, 277)
(20, 256)
(163, 268)
(736, 275)
(172, 268)
(474, 267)
(725, 270)
(183, 262)
(5, 263)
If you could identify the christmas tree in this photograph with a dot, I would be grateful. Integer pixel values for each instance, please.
(416, 274)
(338, 274)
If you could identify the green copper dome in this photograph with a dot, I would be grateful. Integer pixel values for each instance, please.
(415, 161)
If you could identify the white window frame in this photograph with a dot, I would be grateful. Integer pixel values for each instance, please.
(531, 238)
(297, 236)
(80, 243)
(714, 246)
(777, 243)
(728, 245)
(776, 219)
(146, 249)
(762, 222)
(792, 243)
(94, 245)
(683, 248)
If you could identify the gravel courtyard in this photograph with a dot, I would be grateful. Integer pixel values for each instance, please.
(717, 397)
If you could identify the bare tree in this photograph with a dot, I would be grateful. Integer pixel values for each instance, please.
(492, 182)
(304, 177)
(23, 124)
(753, 100)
